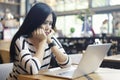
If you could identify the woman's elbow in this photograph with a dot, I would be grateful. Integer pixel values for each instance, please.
(32, 70)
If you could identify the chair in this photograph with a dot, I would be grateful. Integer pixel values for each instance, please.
(5, 56)
(5, 69)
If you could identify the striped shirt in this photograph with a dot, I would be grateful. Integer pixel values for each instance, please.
(26, 63)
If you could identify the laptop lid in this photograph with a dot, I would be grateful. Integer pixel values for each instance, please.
(92, 58)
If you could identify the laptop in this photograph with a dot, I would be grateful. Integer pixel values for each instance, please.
(89, 63)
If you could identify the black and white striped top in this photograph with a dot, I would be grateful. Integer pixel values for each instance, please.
(25, 63)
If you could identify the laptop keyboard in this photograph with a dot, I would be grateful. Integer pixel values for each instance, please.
(66, 73)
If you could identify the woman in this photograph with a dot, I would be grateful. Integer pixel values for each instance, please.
(34, 43)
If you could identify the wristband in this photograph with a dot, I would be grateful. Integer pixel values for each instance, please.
(51, 44)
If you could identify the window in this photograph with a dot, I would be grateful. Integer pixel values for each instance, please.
(114, 2)
(99, 3)
(65, 23)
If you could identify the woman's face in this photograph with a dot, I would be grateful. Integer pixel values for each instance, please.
(47, 25)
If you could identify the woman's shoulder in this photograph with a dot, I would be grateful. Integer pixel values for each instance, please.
(21, 39)
(54, 37)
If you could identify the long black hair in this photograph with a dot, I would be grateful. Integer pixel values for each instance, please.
(35, 17)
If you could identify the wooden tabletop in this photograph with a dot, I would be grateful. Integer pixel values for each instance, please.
(77, 57)
(113, 58)
(100, 74)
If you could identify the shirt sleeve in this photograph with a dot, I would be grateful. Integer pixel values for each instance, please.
(60, 47)
(66, 63)
(29, 63)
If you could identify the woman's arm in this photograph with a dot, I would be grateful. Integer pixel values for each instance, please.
(31, 63)
(58, 51)
(40, 51)
(41, 38)
(61, 57)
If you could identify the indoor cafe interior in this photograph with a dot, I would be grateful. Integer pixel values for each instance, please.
(79, 23)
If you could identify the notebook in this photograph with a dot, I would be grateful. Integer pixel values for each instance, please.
(89, 63)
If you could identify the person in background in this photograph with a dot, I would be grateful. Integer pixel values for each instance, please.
(104, 28)
(34, 43)
(1, 29)
(117, 29)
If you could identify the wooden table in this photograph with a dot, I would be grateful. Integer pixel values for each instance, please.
(111, 61)
(100, 74)
(115, 58)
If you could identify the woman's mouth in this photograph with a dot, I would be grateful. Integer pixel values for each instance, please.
(46, 33)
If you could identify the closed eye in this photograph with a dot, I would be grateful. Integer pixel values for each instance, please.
(47, 22)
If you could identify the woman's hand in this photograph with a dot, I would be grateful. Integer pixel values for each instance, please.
(49, 40)
(39, 34)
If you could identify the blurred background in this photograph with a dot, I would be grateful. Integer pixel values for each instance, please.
(76, 18)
